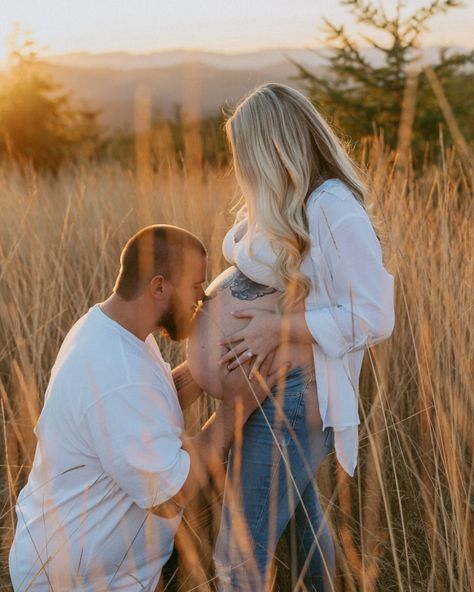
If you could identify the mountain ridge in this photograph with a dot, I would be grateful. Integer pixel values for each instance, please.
(202, 82)
(124, 60)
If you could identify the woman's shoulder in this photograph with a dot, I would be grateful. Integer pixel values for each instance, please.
(336, 199)
(330, 189)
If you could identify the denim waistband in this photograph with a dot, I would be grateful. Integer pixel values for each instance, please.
(303, 372)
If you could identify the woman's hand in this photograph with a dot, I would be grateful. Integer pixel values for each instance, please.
(256, 341)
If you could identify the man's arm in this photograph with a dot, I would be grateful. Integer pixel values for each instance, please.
(208, 449)
(187, 388)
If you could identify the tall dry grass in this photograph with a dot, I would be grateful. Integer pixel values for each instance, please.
(405, 521)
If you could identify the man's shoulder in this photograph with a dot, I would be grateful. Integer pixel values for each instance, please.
(87, 338)
(92, 354)
(99, 353)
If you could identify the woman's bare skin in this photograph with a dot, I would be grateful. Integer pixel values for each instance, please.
(230, 291)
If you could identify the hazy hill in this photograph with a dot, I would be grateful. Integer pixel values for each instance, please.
(208, 87)
(201, 81)
(165, 59)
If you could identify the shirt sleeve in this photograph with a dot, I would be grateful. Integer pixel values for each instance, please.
(361, 310)
(131, 430)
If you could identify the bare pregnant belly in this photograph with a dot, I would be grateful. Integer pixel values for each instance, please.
(231, 291)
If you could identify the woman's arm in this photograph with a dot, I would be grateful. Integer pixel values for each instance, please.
(359, 290)
(272, 327)
(265, 332)
(361, 312)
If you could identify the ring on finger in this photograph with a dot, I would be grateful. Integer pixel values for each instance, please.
(249, 354)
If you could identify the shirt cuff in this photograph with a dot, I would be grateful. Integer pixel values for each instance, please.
(326, 332)
(168, 482)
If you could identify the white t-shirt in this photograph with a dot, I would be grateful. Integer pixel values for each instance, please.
(109, 447)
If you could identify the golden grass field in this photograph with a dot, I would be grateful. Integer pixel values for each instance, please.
(405, 521)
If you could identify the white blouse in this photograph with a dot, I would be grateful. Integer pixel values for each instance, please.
(349, 306)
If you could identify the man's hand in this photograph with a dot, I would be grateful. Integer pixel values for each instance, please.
(208, 448)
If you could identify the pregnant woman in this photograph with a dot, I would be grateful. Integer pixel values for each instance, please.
(307, 286)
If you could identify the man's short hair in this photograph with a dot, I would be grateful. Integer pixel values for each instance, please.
(154, 250)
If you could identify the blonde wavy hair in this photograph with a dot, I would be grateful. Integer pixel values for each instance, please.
(282, 151)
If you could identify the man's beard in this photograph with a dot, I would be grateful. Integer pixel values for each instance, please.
(172, 321)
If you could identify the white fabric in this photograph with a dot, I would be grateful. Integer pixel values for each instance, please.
(254, 258)
(109, 446)
(349, 306)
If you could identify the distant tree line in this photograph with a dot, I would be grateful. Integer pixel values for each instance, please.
(42, 125)
(38, 122)
(168, 140)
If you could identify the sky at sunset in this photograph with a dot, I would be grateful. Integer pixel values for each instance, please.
(229, 26)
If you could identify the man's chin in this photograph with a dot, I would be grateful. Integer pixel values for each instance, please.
(174, 334)
(169, 334)
(175, 325)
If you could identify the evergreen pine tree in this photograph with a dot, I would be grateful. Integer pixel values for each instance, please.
(363, 96)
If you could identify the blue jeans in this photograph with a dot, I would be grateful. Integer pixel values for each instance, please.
(271, 479)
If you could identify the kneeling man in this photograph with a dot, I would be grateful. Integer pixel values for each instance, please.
(112, 468)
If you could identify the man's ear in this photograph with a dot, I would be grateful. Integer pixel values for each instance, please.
(158, 287)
